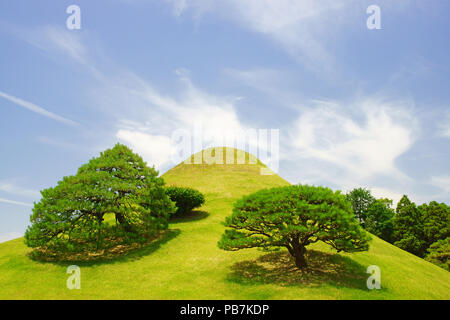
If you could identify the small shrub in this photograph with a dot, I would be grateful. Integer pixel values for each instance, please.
(186, 199)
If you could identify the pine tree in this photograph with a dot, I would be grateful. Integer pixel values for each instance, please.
(294, 217)
(379, 219)
(361, 199)
(408, 227)
(439, 253)
(71, 216)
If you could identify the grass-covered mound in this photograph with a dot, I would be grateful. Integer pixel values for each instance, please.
(187, 263)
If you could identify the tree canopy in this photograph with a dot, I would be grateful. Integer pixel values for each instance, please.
(439, 253)
(361, 199)
(408, 227)
(417, 227)
(71, 216)
(294, 217)
(379, 219)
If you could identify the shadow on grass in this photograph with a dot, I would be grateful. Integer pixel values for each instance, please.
(279, 268)
(120, 253)
(188, 217)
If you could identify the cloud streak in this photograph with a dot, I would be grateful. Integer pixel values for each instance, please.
(37, 109)
(444, 126)
(15, 190)
(15, 202)
(442, 182)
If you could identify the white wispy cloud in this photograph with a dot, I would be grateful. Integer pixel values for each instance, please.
(155, 149)
(37, 109)
(57, 42)
(303, 28)
(446, 132)
(278, 85)
(16, 202)
(308, 30)
(444, 126)
(395, 196)
(150, 117)
(157, 116)
(442, 182)
(347, 146)
(50, 38)
(18, 191)
(352, 145)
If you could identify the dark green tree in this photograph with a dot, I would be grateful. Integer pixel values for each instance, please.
(71, 216)
(436, 221)
(379, 219)
(294, 217)
(417, 228)
(408, 227)
(361, 199)
(439, 253)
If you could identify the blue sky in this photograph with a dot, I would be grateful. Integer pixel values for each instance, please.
(354, 107)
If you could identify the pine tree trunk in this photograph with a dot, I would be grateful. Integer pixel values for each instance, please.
(298, 252)
(300, 260)
(99, 235)
(123, 222)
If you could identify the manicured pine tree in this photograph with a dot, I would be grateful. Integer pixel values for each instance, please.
(71, 215)
(294, 217)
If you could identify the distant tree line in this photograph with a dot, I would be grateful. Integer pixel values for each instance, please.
(421, 230)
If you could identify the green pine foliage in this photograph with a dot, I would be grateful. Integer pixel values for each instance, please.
(436, 225)
(439, 253)
(71, 216)
(183, 263)
(185, 199)
(379, 219)
(408, 227)
(294, 217)
(417, 228)
(361, 199)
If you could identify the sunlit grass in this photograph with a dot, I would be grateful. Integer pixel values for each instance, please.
(187, 264)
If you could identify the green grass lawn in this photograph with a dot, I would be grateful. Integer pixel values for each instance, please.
(187, 264)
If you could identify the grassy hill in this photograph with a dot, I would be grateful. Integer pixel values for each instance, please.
(186, 263)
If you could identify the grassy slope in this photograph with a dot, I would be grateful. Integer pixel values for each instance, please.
(188, 265)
